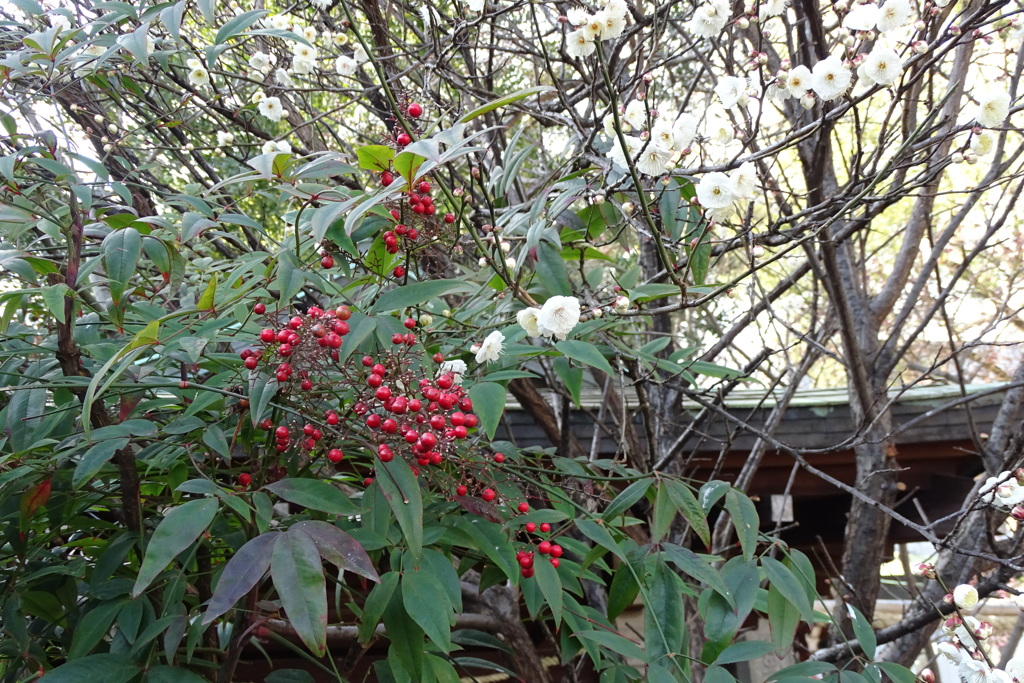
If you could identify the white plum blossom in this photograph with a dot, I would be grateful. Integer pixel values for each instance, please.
(283, 78)
(636, 115)
(974, 671)
(882, 66)
(618, 155)
(527, 319)
(709, 19)
(490, 349)
(613, 22)
(732, 91)
(798, 81)
(276, 147)
(993, 108)
(309, 33)
(261, 61)
(715, 190)
(592, 27)
(862, 17)
(950, 651)
(663, 135)
(345, 65)
(744, 180)
(894, 14)
(983, 143)
(1015, 668)
(456, 368)
(271, 108)
(225, 138)
(321, 4)
(199, 76)
(579, 44)
(359, 54)
(277, 21)
(830, 78)
(577, 16)
(965, 596)
(558, 316)
(654, 160)
(771, 8)
(475, 5)
(685, 130)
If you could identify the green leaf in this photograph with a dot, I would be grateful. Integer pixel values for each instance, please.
(416, 293)
(92, 628)
(173, 674)
(744, 651)
(299, 580)
(552, 271)
(550, 584)
(783, 579)
(716, 674)
(664, 629)
(615, 642)
(109, 668)
(206, 301)
(427, 603)
(407, 164)
(402, 491)
(147, 336)
(803, 669)
(694, 566)
(861, 629)
(489, 404)
(744, 518)
(338, 548)
(177, 531)
(627, 498)
(376, 602)
(622, 591)
(94, 459)
(53, 297)
(664, 513)
(120, 252)
(571, 377)
(897, 672)
(243, 571)
(261, 392)
(375, 157)
(783, 619)
(406, 637)
(599, 535)
(314, 494)
(686, 503)
(290, 277)
(238, 24)
(505, 101)
(585, 353)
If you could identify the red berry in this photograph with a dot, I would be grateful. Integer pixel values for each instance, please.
(410, 324)
(344, 313)
(398, 272)
(449, 218)
(437, 421)
(528, 572)
(544, 547)
(466, 404)
(523, 507)
(367, 361)
(283, 336)
(268, 335)
(259, 309)
(488, 495)
(374, 380)
(438, 357)
(555, 562)
(306, 385)
(545, 527)
(266, 424)
(335, 455)
(428, 440)
(332, 419)
(281, 432)
(367, 481)
(531, 527)
(251, 362)
(244, 478)
(382, 393)
(373, 421)
(397, 338)
(424, 188)
(326, 262)
(461, 490)
(415, 405)
(526, 561)
(386, 178)
(445, 381)
(403, 139)
(415, 110)
(386, 457)
(413, 234)
(396, 214)
(308, 429)
(556, 550)
(499, 458)
(285, 349)
(389, 426)
(471, 421)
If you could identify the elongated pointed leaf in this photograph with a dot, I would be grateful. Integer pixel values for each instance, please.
(489, 403)
(427, 603)
(243, 571)
(692, 564)
(417, 293)
(627, 498)
(338, 548)
(402, 491)
(585, 353)
(314, 494)
(299, 579)
(120, 251)
(179, 529)
(780, 576)
(108, 668)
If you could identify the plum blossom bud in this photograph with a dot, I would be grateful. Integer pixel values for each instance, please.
(971, 158)
(621, 303)
(1017, 513)
(655, 113)
(687, 151)
(648, 78)
(627, 208)
(510, 263)
(475, 172)
(957, 158)
(947, 599)
(762, 59)
(597, 313)
(598, 199)
(926, 676)
(425, 320)
(666, 181)
(950, 651)
(645, 135)
(474, 348)
(984, 630)
(446, 313)
(562, 19)
(785, 65)
(920, 25)
(757, 251)
(954, 30)
(641, 96)
(965, 596)
(841, 6)
(925, 569)
(505, 246)
(743, 23)
(458, 192)
(919, 47)
(481, 262)
(807, 101)
(951, 623)
(848, 40)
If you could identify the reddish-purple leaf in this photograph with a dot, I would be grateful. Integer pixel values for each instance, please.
(339, 548)
(243, 571)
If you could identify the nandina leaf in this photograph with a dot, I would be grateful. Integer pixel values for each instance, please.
(338, 548)
(120, 251)
(314, 494)
(243, 571)
(426, 601)
(179, 529)
(299, 579)
(33, 498)
(402, 491)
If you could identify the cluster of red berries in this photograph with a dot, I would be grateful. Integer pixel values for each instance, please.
(552, 550)
(311, 340)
